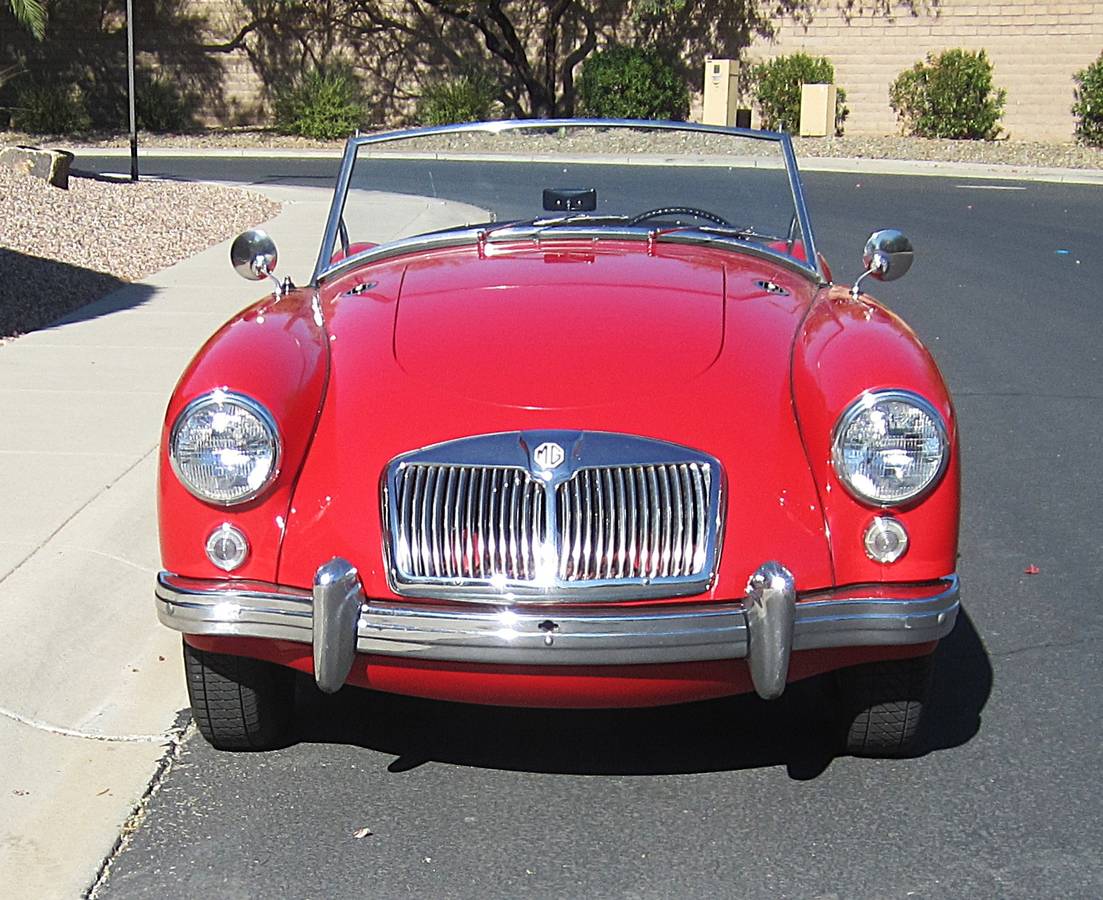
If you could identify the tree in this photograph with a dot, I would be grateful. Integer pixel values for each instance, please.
(31, 14)
(534, 46)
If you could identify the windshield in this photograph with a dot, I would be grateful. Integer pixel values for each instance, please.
(572, 178)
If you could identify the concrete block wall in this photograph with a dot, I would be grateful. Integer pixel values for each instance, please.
(243, 89)
(1034, 47)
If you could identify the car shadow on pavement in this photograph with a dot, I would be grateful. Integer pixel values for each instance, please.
(962, 684)
(735, 733)
(62, 293)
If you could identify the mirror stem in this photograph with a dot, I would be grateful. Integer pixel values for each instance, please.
(262, 272)
(877, 266)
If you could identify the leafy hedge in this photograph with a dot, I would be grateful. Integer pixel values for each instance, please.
(468, 98)
(631, 83)
(778, 88)
(950, 95)
(50, 109)
(160, 106)
(1088, 108)
(323, 104)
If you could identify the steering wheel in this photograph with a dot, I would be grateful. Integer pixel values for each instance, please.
(662, 211)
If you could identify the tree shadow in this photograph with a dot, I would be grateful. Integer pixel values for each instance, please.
(38, 293)
(86, 45)
(736, 733)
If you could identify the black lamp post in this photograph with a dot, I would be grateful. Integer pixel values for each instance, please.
(130, 80)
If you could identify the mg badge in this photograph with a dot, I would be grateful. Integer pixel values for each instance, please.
(549, 455)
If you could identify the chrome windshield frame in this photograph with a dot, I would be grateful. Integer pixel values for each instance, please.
(324, 266)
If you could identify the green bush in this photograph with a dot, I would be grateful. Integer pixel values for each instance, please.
(469, 98)
(160, 106)
(323, 104)
(631, 83)
(1088, 108)
(949, 96)
(50, 109)
(777, 89)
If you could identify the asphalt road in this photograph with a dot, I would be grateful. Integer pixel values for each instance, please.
(390, 797)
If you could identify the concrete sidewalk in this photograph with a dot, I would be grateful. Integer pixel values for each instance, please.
(91, 686)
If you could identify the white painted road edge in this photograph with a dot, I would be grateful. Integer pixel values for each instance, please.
(935, 168)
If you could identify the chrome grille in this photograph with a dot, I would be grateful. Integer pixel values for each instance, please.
(469, 522)
(548, 516)
(633, 522)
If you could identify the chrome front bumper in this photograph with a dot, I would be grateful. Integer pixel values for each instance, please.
(764, 627)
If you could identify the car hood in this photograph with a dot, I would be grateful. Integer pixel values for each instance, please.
(531, 328)
(676, 343)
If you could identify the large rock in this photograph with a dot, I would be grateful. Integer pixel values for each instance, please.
(49, 165)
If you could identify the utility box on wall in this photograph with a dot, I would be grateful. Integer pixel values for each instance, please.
(817, 109)
(721, 99)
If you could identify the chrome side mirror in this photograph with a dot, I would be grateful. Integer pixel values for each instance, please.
(253, 256)
(887, 256)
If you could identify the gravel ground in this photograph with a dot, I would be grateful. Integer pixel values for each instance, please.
(61, 249)
(1006, 152)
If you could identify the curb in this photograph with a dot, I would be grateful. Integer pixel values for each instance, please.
(924, 168)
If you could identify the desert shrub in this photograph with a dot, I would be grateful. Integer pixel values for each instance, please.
(777, 89)
(50, 109)
(468, 98)
(160, 106)
(631, 83)
(323, 104)
(950, 95)
(1088, 108)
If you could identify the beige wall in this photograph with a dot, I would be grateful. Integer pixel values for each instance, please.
(1034, 47)
(242, 88)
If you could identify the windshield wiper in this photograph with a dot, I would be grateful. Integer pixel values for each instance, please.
(745, 234)
(553, 221)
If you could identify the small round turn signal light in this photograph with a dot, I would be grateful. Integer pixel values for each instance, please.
(227, 547)
(886, 540)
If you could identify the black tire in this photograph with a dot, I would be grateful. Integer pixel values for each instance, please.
(239, 703)
(881, 705)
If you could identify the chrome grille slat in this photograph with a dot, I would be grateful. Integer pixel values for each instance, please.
(676, 520)
(701, 492)
(421, 500)
(667, 506)
(643, 554)
(576, 531)
(655, 561)
(588, 528)
(620, 522)
(526, 529)
(686, 525)
(622, 530)
(511, 507)
(467, 522)
(462, 528)
(630, 539)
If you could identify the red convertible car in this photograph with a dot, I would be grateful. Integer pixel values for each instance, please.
(571, 414)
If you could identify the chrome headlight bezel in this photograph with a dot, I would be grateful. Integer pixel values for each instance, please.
(251, 406)
(863, 403)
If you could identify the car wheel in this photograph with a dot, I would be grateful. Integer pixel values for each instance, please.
(882, 704)
(239, 703)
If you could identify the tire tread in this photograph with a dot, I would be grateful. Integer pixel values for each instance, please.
(883, 704)
(238, 703)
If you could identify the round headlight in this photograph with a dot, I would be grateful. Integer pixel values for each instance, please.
(224, 448)
(890, 447)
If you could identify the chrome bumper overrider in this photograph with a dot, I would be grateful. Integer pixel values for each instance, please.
(764, 627)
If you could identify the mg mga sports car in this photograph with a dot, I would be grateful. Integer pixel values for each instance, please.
(570, 414)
